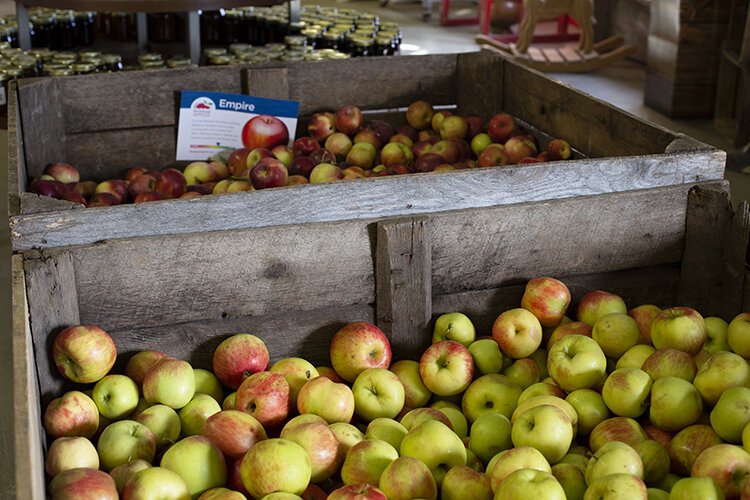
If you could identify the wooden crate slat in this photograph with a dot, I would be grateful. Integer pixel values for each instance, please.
(221, 275)
(407, 195)
(480, 70)
(470, 251)
(404, 284)
(272, 83)
(43, 124)
(28, 435)
(590, 124)
(17, 181)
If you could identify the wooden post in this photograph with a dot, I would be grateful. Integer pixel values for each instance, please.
(403, 282)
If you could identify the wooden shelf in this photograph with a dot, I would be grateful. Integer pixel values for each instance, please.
(146, 5)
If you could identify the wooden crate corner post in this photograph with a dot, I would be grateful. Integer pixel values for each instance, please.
(403, 283)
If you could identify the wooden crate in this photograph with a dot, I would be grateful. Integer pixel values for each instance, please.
(295, 285)
(106, 123)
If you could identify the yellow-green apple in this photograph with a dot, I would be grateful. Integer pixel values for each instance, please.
(597, 303)
(489, 435)
(454, 326)
(170, 382)
(418, 416)
(265, 396)
(540, 358)
(234, 432)
(116, 396)
(119, 188)
(657, 494)
(378, 392)
(140, 363)
(320, 444)
(264, 131)
(716, 331)
(193, 415)
(198, 461)
(438, 117)
(252, 159)
(574, 458)
(339, 144)
(464, 482)
(519, 147)
(276, 464)
(490, 393)
(738, 331)
(155, 483)
(558, 149)
(237, 160)
(329, 373)
(330, 400)
(541, 389)
(746, 437)
(668, 482)
(547, 299)
(506, 462)
(675, 404)
(560, 403)
(623, 429)
(565, 329)
(501, 126)
(297, 372)
(230, 402)
(576, 362)
(453, 127)
(357, 347)
(370, 137)
(348, 119)
(123, 472)
(325, 172)
(670, 362)
(696, 488)
(419, 115)
(731, 414)
(239, 356)
(517, 332)
(458, 421)
(473, 461)
(590, 408)
(617, 486)
(680, 328)
(547, 428)
(388, 430)
(416, 392)
(436, 445)
(524, 372)
(83, 353)
(615, 333)
(486, 355)
(357, 492)
(635, 357)
(655, 460)
(123, 441)
(687, 444)
(727, 464)
(479, 142)
(302, 419)
(446, 368)
(351, 173)
(82, 483)
(449, 149)
(571, 478)
(406, 478)
(362, 154)
(72, 414)
(644, 315)
(366, 461)
(347, 435)
(626, 392)
(614, 457)
(530, 483)
(163, 421)
(720, 372)
(207, 383)
(70, 453)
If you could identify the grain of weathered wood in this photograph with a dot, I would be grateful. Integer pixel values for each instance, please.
(8, 411)
(33, 203)
(713, 268)
(594, 126)
(53, 304)
(272, 83)
(683, 144)
(480, 249)
(476, 73)
(403, 278)
(42, 122)
(366, 199)
(28, 435)
(16, 160)
(212, 276)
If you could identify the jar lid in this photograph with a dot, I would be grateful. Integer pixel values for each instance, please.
(14, 72)
(338, 55)
(149, 57)
(362, 41)
(60, 72)
(111, 58)
(295, 40)
(152, 64)
(83, 68)
(178, 62)
(222, 60)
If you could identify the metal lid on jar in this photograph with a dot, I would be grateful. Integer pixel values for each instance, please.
(209, 53)
(83, 68)
(338, 55)
(222, 60)
(361, 41)
(89, 54)
(150, 57)
(178, 62)
(238, 47)
(295, 41)
(111, 58)
(14, 72)
(152, 64)
(275, 46)
(60, 72)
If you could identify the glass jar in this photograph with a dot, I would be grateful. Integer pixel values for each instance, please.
(211, 26)
(331, 40)
(84, 28)
(121, 26)
(362, 47)
(384, 45)
(43, 29)
(162, 27)
(112, 62)
(232, 26)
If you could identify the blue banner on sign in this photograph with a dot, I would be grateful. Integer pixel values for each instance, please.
(237, 102)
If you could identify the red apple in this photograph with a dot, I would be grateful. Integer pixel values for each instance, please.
(134, 172)
(547, 299)
(116, 187)
(501, 126)
(321, 125)
(301, 165)
(238, 357)
(144, 197)
(369, 136)
(357, 492)
(141, 362)
(63, 172)
(234, 478)
(144, 183)
(475, 123)
(519, 147)
(237, 160)
(419, 115)
(293, 180)
(234, 432)
(83, 483)
(409, 132)
(421, 147)
(427, 162)
(83, 353)
(558, 149)
(323, 156)
(265, 396)
(304, 146)
(348, 119)
(428, 135)
(451, 150)
(382, 129)
(105, 200)
(314, 492)
(171, 183)
(203, 189)
(74, 196)
(72, 414)
(86, 188)
(357, 347)
(268, 173)
(264, 131)
(492, 156)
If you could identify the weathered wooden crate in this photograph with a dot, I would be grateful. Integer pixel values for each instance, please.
(295, 285)
(106, 123)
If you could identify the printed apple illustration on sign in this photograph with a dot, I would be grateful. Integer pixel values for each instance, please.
(264, 131)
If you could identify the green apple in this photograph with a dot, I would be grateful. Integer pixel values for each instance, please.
(415, 392)
(590, 407)
(530, 483)
(70, 453)
(517, 332)
(458, 421)
(386, 429)
(576, 362)
(123, 472)
(198, 461)
(321, 446)
(687, 444)
(479, 142)
(560, 403)
(635, 356)
(567, 328)
(540, 357)
(547, 428)
(597, 303)
(305, 418)
(615, 333)
(446, 368)
(716, 330)
(297, 372)
(366, 461)
(123, 441)
(746, 438)
(142, 405)
(156, 483)
(571, 478)
(378, 393)
(436, 445)
(406, 478)
(696, 488)
(623, 429)
(655, 459)
(169, 382)
(675, 404)
(116, 396)
(657, 494)
(626, 392)
(720, 372)
(221, 493)
(418, 416)
(230, 402)
(193, 415)
(541, 389)
(731, 414)
(347, 435)
(668, 482)
(670, 362)
(164, 422)
(489, 435)
(275, 465)
(330, 400)
(680, 328)
(463, 482)
(490, 393)
(207, 383)
(644, 315)
(727, 464)
(454, 326)
(486, 355)
(509, 461)
(617, 487)
(523, 372)
(737, 334)
(580, 461)
(613, 458)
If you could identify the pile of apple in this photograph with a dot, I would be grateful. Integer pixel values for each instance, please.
(340, 146)
(619, 404)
